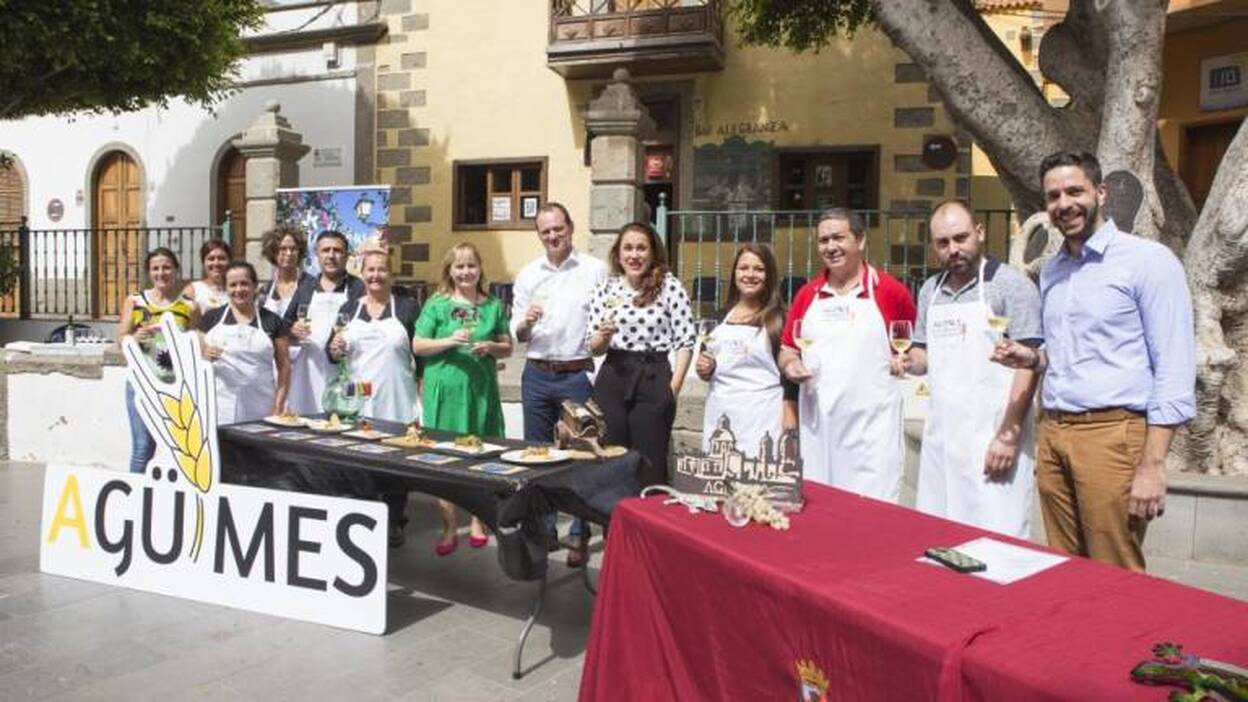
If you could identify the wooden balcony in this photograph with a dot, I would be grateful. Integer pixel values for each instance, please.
(591, 38)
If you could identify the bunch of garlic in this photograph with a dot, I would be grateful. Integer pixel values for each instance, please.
(751, 501)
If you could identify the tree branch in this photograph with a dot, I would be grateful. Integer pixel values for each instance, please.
(1135, 33)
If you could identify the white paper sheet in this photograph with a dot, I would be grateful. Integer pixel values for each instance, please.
(1006, 563)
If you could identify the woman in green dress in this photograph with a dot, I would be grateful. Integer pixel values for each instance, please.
(461, 333)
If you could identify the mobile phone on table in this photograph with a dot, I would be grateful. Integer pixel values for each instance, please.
(955, 560)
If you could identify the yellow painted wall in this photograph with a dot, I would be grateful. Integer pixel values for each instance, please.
(489, 95)
(1180, 96)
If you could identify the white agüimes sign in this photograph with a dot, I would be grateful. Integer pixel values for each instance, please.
(176, 530)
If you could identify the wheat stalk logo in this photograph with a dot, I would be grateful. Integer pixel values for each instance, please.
(181, 413)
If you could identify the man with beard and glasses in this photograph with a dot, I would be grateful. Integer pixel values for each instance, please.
(1120, 372)
(978, 441)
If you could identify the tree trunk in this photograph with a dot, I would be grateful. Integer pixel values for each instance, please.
(1114, 79)
(1216, 262)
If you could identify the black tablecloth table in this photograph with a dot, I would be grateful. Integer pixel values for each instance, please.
(514, 506)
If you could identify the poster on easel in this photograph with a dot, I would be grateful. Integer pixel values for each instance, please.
(361, 212)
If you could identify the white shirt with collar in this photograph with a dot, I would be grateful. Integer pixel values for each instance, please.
(565, 293)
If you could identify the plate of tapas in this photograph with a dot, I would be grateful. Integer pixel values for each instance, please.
(286, 419)
(333, 425)
(469, 445)
(369, 432)
(411, 439)
(536, 455)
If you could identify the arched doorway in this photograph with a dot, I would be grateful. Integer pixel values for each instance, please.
(232, 197)
(12, 209)
(117, 214)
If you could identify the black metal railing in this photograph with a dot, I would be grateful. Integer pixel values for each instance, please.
(702, 244)
(88, 273)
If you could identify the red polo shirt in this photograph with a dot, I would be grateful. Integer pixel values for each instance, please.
(891, 297)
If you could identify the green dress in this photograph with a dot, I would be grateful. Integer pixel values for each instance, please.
(461, 390)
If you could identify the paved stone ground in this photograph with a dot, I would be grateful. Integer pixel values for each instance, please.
(453, 625)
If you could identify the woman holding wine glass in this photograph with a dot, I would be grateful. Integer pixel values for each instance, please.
(461, 333)
(837, 343)
(637, 317)
(285, 248)
(747, 393)
(373, 333)
(246, 342)
(141, 315)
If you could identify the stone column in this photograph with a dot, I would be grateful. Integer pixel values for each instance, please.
(617, 121)
(272, 150)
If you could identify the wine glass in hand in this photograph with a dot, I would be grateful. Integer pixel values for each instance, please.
(706, 328)
(901, 336)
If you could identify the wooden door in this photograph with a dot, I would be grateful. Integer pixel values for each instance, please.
(1202, 155)
(119, 245)
(12, 208)
(232, 197)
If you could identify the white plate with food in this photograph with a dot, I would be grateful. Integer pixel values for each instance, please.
(369, 432)
(333, 425)
(469, 446)
(536, 456)
(286, 420)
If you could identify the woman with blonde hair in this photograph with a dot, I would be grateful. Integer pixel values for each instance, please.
(461, 333)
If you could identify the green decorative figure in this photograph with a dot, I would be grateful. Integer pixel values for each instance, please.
(1204, 679)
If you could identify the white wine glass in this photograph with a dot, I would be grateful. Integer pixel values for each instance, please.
(999, 325)
(540, 299)
(706, 330)
(901, 336)
(468, 319)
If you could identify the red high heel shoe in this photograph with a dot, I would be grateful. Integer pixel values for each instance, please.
(446, 548)
(478, 541)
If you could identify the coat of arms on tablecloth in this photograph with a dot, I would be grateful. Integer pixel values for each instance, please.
(813, 683)
(776, 466)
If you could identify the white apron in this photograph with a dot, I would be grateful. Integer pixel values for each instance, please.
(851, 419)
(745, 388)
(245, 380)
(311, 370)
(968, 401)
(278, 307)
(381, 352)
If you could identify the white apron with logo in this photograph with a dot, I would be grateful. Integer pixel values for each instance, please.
(278, 306)
(245, 380)
(851, 413)
(745, 387)
(380, 352)
(311, 370)
(968, 402)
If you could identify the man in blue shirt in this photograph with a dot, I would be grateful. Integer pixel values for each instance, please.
(1120, 371)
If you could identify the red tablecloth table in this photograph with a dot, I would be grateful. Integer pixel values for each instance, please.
(690, 608)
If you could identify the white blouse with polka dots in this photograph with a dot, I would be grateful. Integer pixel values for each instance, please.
(664, 325)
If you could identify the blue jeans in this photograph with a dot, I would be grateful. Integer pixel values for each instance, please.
(142, 445)
(541, 393)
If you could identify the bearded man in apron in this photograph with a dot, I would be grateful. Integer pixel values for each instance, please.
(978, 461)
(322, 298)
(850, 411)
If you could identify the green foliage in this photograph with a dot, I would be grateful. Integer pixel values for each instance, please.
(798, 24)
(118, 55)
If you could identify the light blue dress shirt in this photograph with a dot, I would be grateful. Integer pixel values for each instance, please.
(1118, 329)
